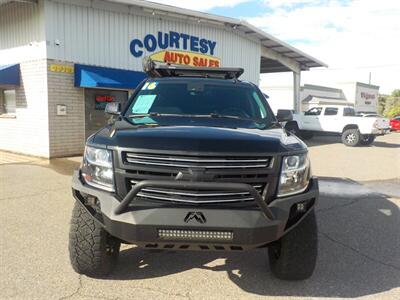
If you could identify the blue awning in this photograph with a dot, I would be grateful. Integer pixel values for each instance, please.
(9, 75)
(99, 77)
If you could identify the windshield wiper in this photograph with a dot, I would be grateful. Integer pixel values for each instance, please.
(212, 115)
(153, 114)
(156, 114)
(216, 115)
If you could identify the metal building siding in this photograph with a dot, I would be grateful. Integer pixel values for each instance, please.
(101, 37)
(20, 24)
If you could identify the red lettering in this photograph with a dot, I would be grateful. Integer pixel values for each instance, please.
(186, 59)
(367, 96)
(214, 63)
(170, 57)
(180, 56)
(195, 61)
(104, 98)
(174, 57)
(202, 62)
(167, 57)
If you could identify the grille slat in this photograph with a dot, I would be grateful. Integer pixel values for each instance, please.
(194, 165)
(194, 194)
(173, 199)
(196, 162)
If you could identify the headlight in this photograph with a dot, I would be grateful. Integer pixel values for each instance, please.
(295, 175)
(97, 168)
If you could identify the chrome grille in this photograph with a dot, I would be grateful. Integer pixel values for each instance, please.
(183, 161)
(144, 166)
(195, 197)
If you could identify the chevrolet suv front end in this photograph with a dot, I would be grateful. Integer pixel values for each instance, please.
(195, 163)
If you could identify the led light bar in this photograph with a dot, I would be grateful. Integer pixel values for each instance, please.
(178, 234)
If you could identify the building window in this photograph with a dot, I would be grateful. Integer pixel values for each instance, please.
(349, 112)
(315, 111)
(331, 111)
(9, 102)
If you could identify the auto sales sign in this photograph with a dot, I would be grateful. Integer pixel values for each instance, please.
(177, 48)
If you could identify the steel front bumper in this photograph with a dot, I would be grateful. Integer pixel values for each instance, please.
(248, 228)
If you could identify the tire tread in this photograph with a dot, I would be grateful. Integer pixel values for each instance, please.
(87, 245)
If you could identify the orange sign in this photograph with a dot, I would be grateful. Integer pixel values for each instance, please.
(186, 58)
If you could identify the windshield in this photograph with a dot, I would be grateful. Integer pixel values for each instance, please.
(197, 98)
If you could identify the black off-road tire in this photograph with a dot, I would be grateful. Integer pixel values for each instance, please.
(294, 256)
(92, 250)
(367, 139)
(351, 137)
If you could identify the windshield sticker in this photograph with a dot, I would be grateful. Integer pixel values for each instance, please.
(152, 85)
(144, 87)
(148, 86)
(143, 104)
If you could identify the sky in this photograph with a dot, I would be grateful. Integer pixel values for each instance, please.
(356, 38)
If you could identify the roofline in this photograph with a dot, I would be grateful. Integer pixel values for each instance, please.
(232, 22)
(278, 41)
(177, 10)
(2, 2)
(339, 102)
(320, 88)
(367, 85)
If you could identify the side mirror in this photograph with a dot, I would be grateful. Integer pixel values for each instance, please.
(284, 115)
(113, 108)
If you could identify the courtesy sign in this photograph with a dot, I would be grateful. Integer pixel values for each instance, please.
(186, 58)
(177, 48)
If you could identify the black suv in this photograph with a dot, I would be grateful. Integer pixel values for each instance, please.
(196, 160)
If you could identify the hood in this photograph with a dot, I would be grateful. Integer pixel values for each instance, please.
(197, 138)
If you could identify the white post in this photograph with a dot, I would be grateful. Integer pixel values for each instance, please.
(296, 92)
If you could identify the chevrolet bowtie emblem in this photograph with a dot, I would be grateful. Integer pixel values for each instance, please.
(194, 175)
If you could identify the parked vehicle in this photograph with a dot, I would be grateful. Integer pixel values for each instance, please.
(341, 120)
(395, 124)
(368, 115)
(196, 161)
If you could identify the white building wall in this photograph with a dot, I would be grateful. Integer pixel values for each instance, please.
(28, 132)
(280, 97)
(349, 89)
(98, 33)
(20, 24)
(22, 32)
(320, 92)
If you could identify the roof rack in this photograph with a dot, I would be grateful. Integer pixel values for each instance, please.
(157, 69)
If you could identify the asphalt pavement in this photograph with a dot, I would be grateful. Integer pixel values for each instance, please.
(359, 238)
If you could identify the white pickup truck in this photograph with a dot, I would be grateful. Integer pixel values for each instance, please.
(355, 130)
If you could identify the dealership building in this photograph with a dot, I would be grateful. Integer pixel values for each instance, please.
(363, 97)
(62, 61)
